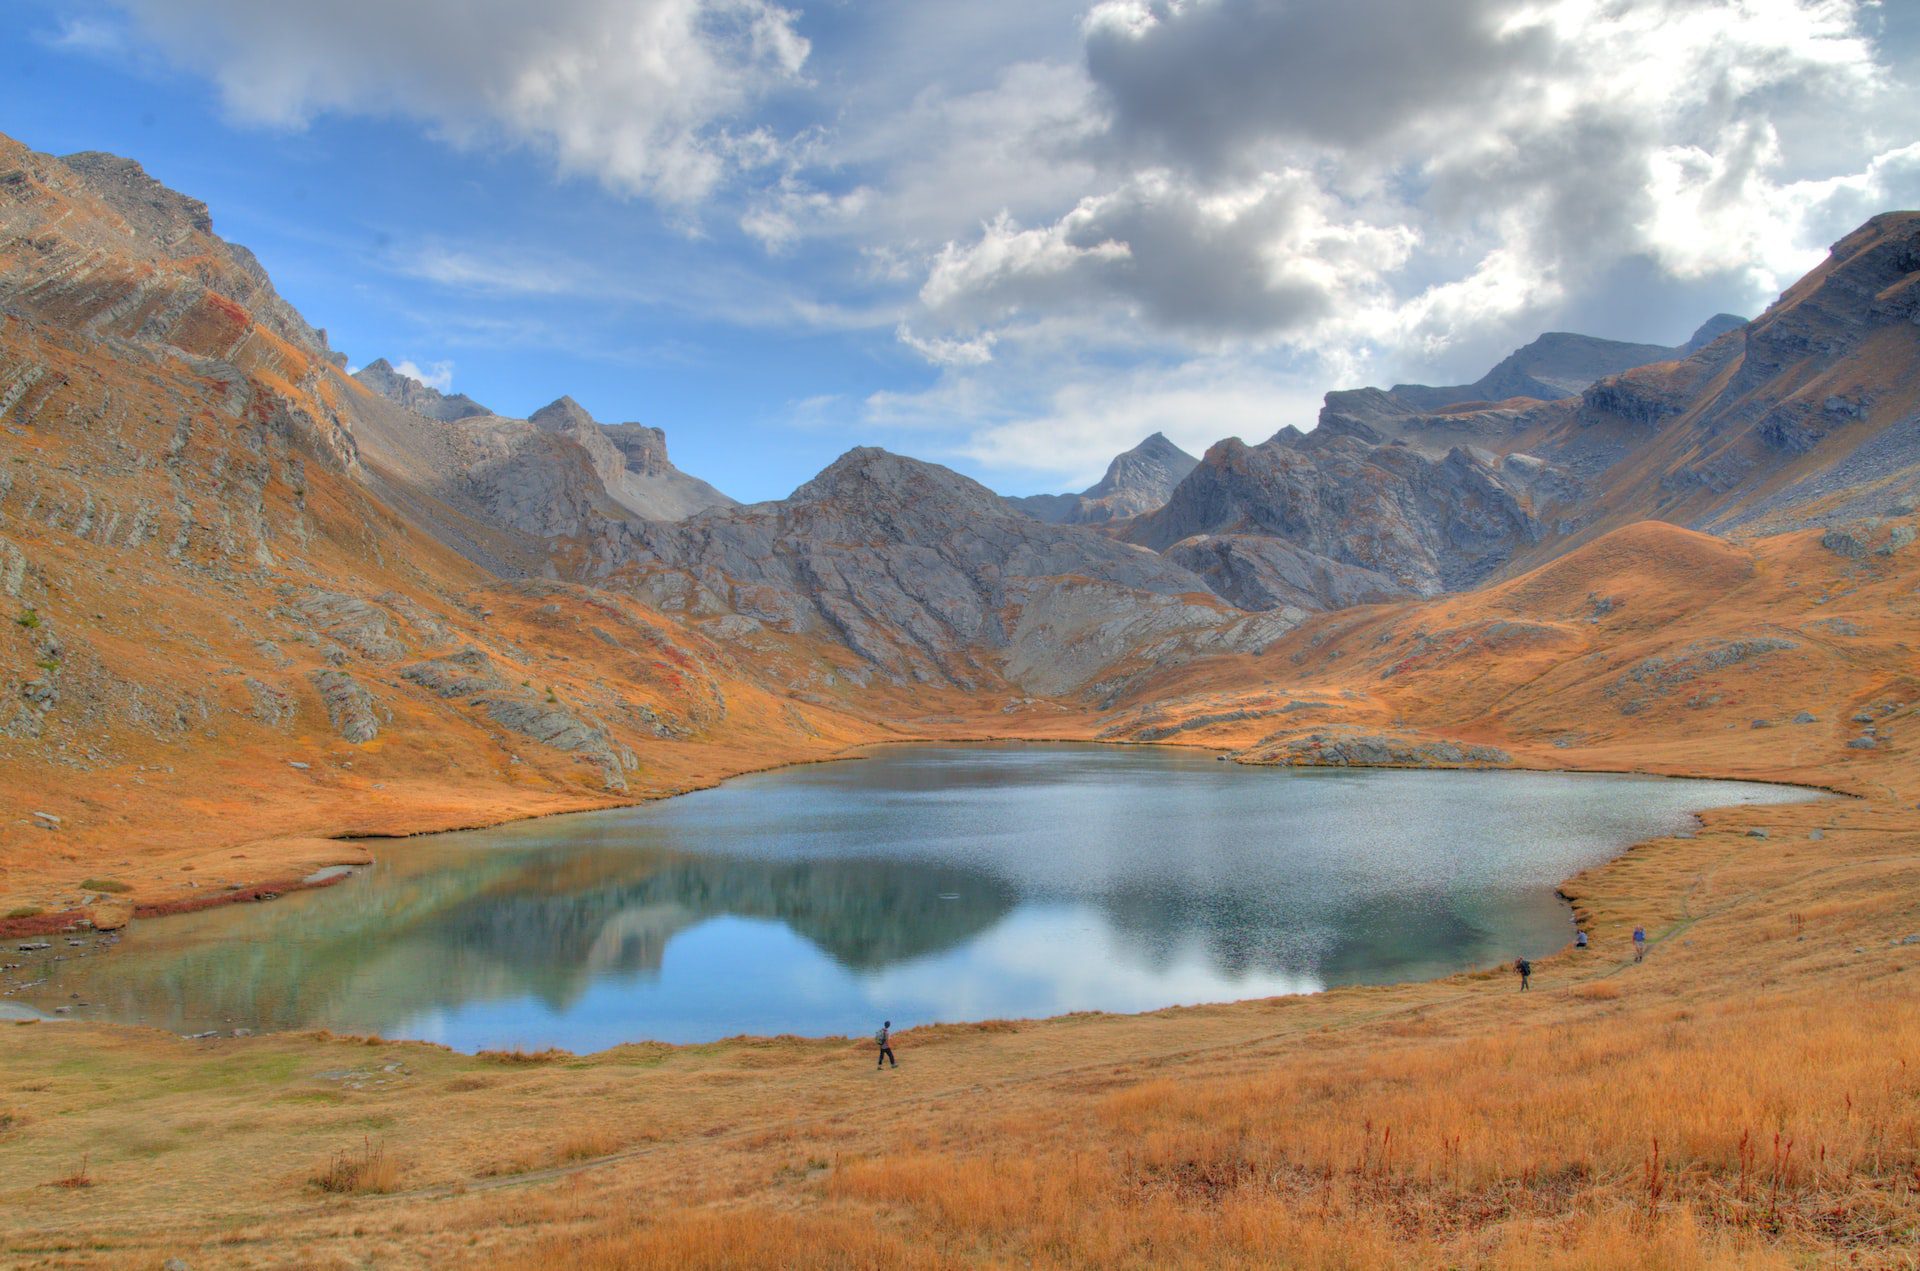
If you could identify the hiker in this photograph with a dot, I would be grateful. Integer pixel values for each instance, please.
(1639, 944)
(1525, 968)
(1579, 939)
(883, 1039)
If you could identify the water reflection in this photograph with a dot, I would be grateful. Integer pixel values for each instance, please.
(950, 883)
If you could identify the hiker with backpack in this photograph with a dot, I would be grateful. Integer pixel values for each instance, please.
(1639, 944)
(884, 1040)
(1525, 968)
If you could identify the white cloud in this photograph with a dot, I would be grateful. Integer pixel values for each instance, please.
(974, 352)
(435, 375)
(510, 273)
(638, 94)
(1388, 178)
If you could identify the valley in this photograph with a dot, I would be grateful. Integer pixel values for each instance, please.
(265, 618)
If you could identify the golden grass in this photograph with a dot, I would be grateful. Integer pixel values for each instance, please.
(708, 1242)
(366, 1170)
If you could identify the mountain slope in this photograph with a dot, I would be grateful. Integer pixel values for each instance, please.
(235, 604)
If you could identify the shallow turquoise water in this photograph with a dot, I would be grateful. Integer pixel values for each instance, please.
(924, 883)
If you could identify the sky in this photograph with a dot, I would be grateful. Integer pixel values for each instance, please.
(1012, 236)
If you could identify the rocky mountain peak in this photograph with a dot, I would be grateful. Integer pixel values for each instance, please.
(867, 476)
(1712, 329)
(1137, 480)
(423, 399)
(563, 414)
(152, 209)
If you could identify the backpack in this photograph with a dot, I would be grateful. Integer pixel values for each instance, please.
(880, 1038)
(1526, 967)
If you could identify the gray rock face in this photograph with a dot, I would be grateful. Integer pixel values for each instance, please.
(1138, 480)
(1358, 519)
(422, 399)
(352, 622)
(349, 705)
(461, 674)
(1349, 749)
(926, 575)
(631, 463)
(1257, 571)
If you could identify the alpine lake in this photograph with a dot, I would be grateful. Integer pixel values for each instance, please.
(916, 883)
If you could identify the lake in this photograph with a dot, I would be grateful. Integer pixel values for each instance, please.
(919, 884)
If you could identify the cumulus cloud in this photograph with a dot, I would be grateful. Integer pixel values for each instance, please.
(1397, 176)
(642, 95)
(1261, 256)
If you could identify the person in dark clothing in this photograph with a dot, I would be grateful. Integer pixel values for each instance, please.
(1525, 968)
(884, 1039)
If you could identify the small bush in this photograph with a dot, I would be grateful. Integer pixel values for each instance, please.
(370, 1170)
(10, 1121)
(78, 1179)
(30, 619)
(112, 885)
(25, 911)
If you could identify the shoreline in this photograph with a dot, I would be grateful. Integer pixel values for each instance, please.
(1572, 900)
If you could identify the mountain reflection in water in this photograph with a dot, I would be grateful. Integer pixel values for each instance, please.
(924, 883)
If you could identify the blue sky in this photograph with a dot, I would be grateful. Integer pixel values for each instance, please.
(1011, 237)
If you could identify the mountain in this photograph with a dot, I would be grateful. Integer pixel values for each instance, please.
(422, 399)
(225, 557)
(1138, 480)
(631, 461)
(1559, 364)
(1806, 415)
(1326, 519)
(930, 577)
(218, 553)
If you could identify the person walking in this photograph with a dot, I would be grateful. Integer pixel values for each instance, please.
(1639, 944)
(1525, 968)
(884, 1039)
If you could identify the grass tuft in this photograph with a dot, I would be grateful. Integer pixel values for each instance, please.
(25, 911)
(367, 1171)
(112, 885)
(80, 1178)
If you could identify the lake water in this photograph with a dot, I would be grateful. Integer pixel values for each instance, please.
(923, 883)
